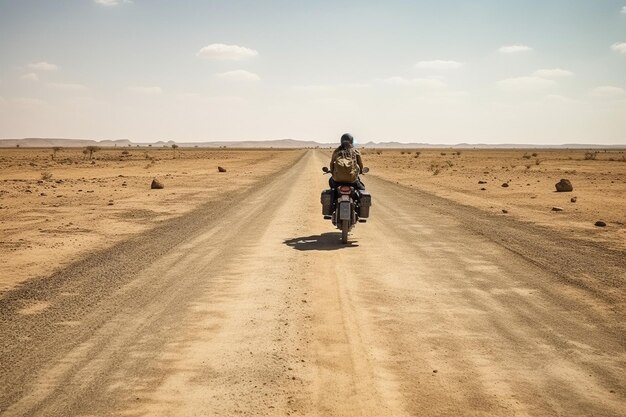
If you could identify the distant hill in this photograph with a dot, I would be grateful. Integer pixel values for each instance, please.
(66, 143)
(277, 143)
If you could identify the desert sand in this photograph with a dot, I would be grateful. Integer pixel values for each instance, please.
(228, 294)
(54, 210)
(476, 177)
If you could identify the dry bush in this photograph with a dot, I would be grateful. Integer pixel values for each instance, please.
(125, 152)
(91, 150)
(526, 156)
(535, 154)
(46, 175)
(590, 156)
(537, 161)
(450, 163)
(55, 149)
(402, 153)
(443, 154)
(527, 166)
(434, 168)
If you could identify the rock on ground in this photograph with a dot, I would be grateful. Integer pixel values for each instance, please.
(564, 186)
(156, 185)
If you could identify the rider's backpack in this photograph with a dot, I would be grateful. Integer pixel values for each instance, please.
(345, 167)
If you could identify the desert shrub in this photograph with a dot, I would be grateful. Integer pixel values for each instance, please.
(590, 156)
(527, 166)
(537, 161)
(434, 168)
(443, 154)
(402, 153)
(526, 156)
(535, 154)
(46, 175)
(379, 152)
(125, 152)
(91, 150)
(55, 149)
(450, 163)
(417, 155)
(458, 153)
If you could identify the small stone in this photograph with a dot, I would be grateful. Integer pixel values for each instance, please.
(564, 186)
(482, 182)
(505, 211)
(573, 199)
(557, 209)
(220, 169)
(505, 185)
(483, 189)
(600, 223)
(156, 185)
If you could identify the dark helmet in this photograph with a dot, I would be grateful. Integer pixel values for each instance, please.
(347, 138)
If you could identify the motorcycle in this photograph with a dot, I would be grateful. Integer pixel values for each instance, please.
(345, 206)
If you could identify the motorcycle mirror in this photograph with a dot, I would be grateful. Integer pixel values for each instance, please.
(366, 170)
(325, 169)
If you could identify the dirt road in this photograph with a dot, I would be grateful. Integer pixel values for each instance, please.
(253, 307)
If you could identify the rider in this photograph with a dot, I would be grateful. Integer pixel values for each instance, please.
(347, 145)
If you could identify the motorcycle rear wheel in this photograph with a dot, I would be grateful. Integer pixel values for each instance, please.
(345, 226)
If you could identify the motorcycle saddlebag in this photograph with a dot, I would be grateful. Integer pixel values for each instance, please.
(327, 202)
(365, 202)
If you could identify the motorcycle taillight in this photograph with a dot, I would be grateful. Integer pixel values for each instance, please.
(344, 189)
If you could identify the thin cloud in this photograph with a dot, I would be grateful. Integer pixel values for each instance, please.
(327, 88)
(223, 52)
(619, 47)
(67, 86)
(238, 75)
(525, 84)
(415, 82)
(111, 3)
(438, 65)
(211, 100)
(149, 91)
(42, 66)
(608, 91)
(31, 76)
(513, 49)
(553, 73)
(624, 10)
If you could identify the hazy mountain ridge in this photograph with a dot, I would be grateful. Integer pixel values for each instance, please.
(277, 143)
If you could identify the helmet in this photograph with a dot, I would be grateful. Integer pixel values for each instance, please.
(347, 138)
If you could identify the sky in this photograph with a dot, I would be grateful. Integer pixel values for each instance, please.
(446, 72)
